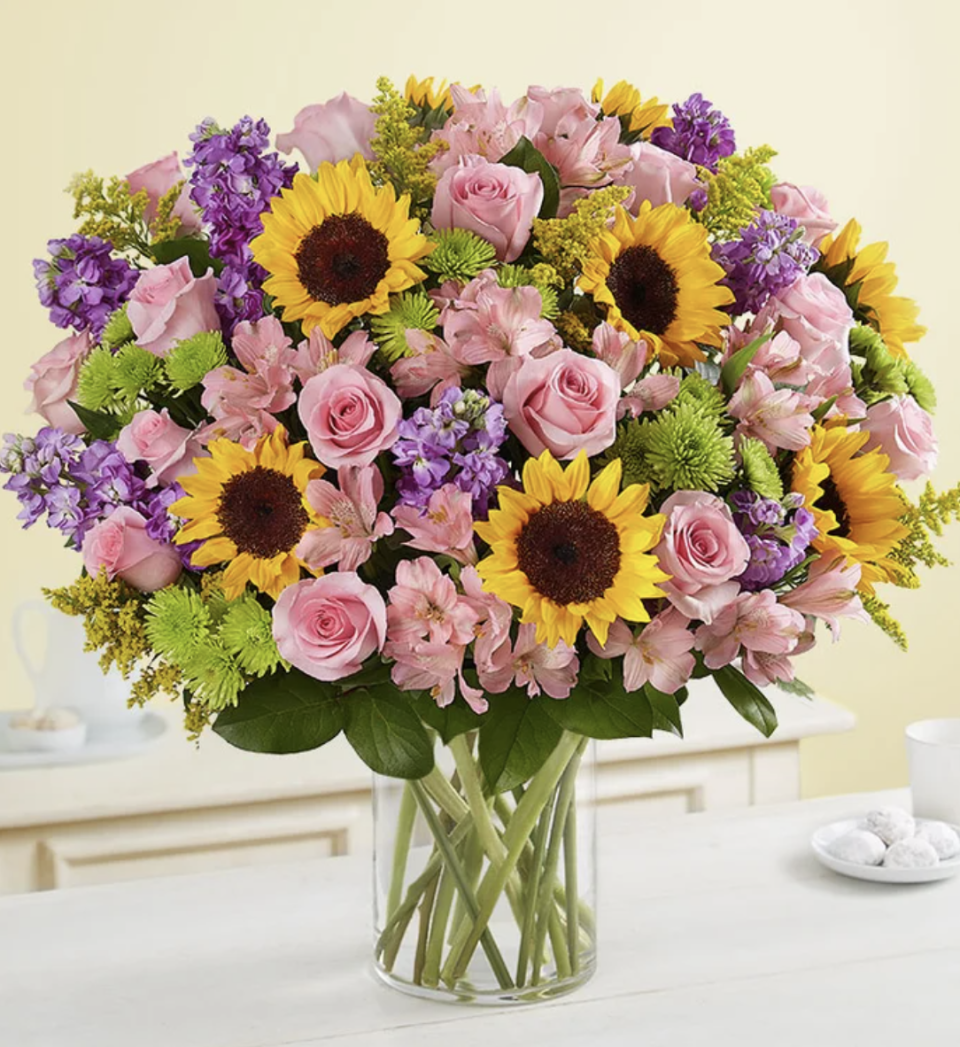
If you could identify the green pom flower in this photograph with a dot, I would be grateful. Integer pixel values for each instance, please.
(247, 633)
(96, 384)
(177, 623)
(629, 447)
(118, 330)
(459, 255)
(136, 370)
(517, 276)
(696, 391)
(213, 676)
(760, 470)
(410, 309)
(920, 386)
(687, 450)
(190, 361)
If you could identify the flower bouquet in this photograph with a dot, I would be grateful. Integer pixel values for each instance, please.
(474, 439)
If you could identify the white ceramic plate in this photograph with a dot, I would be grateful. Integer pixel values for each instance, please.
(114, 742)
(822, 839)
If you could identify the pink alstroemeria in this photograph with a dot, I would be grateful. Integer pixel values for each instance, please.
(425, 605)
(754, 621)
(839, 384)
(434, 667)
(354, 523)
(620, 352)
(830, 593)
(244, 403)
(532, 665)
(778, 417)
(316, 353)
(445, 526)
(587, 154)
(652, 393)
(484, 126)
(659, 654)
(494, 617)
(432, 368)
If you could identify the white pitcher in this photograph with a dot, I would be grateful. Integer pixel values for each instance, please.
(68, 676)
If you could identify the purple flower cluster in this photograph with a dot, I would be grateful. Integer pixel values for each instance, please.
(700, 134)
(778, 534)
(768, 257)
(77, 486)
(455, 442)
(233, 181)
(81, 283)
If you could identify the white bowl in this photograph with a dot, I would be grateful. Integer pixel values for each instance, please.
(822, 838)
(33, 740)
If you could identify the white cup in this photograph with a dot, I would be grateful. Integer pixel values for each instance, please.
(933, 750)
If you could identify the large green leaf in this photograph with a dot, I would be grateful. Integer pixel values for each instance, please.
(733, 369)
(197, 253)
(452, 720)
(386, 733)
(666, 710)
(747, 699)
(517, 737)
(284, 713)
(527, 157)
(99, 424)
(603, 709)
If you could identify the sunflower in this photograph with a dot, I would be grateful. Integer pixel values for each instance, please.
(336, 248)
(624, 100)
(656, 278)
(250, 510)
(855, 502)
(565, 559)
(869, 280)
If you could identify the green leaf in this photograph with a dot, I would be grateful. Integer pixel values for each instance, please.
(453, 720)
(517, 737)
(823, 408)
(99, 424)
(284, 713)
(387, 734)
(666, 710)
(732, 370)
(197, 252)
(603, 709)
(528, 158)
(747, 699)
(796, 686)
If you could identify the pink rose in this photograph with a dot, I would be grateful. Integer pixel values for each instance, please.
(703, 551)
(563, 403)
(350, 415)
(494, 201)
(169, 449)
(53, 381)
(168, 305)
(329, 133)
(158, 179)
(658, 176)
(903, 431)
(808, 206)
(121, 546)
(816, 316)
(327, 626)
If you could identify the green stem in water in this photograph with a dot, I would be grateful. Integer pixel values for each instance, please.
(401, 851)
(426, 908)
(530, 894)
(571, 886)
(484, 938)
(438, 929)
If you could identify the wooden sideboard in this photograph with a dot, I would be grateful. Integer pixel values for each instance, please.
(179, 809)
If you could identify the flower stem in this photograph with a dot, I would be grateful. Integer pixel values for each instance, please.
(438, 929)
(530, 894)
(426, 908)
(571, 887)
(405, 819)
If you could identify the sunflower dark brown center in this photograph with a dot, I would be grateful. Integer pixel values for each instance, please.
(569, 552)
(644, 288)
(342, 259)
(832, 502)
(262, 513)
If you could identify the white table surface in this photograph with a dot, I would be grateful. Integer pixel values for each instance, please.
(715, 929)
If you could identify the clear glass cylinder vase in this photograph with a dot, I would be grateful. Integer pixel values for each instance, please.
(481, 896)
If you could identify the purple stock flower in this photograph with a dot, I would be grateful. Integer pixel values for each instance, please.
(778, 535)
(700, 133)
(768, 257)
(81, 284)
(234, 178)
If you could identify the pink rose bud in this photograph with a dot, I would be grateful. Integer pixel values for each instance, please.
(903, 431)
(329, 133)
(658, 176)
(121, 546)
(494, 201)
(53, 381)
(350, 415)
(563, 403)
(158, 179)
(168, 305)
(808, 206)
(169, 449)
(327, 626)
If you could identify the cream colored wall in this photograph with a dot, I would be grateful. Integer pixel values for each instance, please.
(859, 96)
